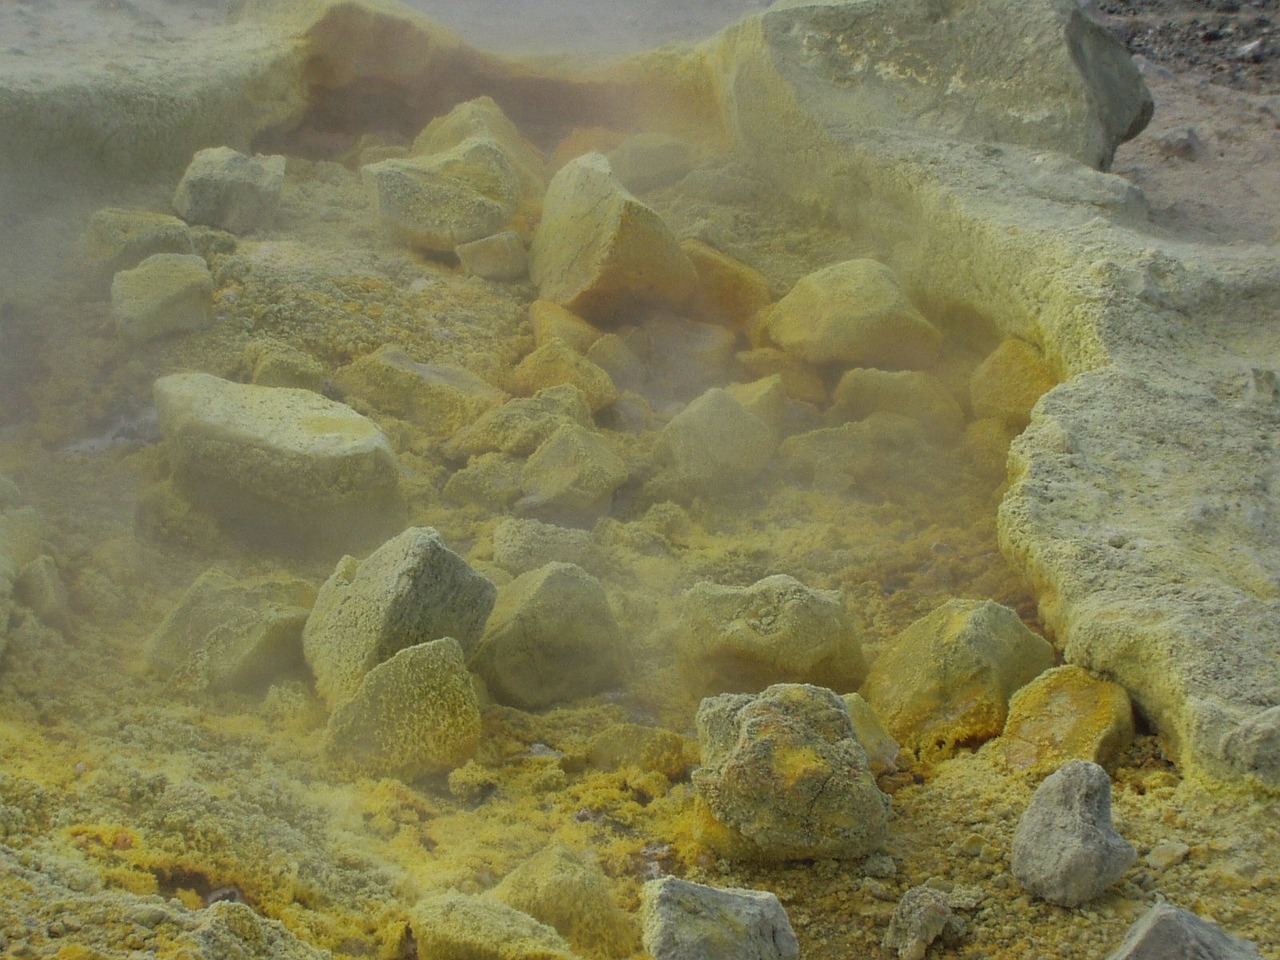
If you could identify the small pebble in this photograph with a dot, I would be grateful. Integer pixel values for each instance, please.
(1165, 855)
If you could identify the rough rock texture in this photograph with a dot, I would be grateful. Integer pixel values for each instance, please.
(852, 313)
(410, 590)
(713, 445)
(21, 541)
(1064, 714)
(498, 257)
(520, 426)
(232, 930)
(946, 680)
(1065, 849)
(552, 637)
(521, 545)
(223, 188)
(1166, 932)
(599, 251)
(881, 749)
(571, 476)
(454, 926)
(283, 466)
(784, 778)
(227, 634)
(923, 915)
(920, 396)
(690, 921)
(550, 321)
(742, 639)
(555, 363)
(412, 715)
(729, 292)
(117, 239)
(765, 398)
(1008, 382)
(650, 160)
(166, 293)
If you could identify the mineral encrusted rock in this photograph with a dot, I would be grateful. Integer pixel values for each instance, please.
(166, 293)
(712, 445)
(923, 915)
(223, 188)
(910, 393)
(410, 590)
(571, 476)
(551, 321)
(555, 363)
(881, 749)
(519, 426)
(1065, 849)
(1008, 382)
(524, 544)
(729, 292)
(412, 715)
(784, 778)
(691, 921)
(482, 928)
(118, 239)
(1166, 932)
(778, 630)
(498, 257)
(285, 467)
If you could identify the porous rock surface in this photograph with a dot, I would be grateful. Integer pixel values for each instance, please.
(483, 928)
(223, 188)
(166, 293)
(1166, 932)
(692, 921)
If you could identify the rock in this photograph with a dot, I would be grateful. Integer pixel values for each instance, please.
(650, 160)
(572, 475)
(784, 778)
(645, 749)
(570, 893)
(612, 355)
(555, 363)
(886, 456)
(520, 426)
(741, 639)
(439, 201)
(599, 251)
(728, 292)
(229, 929)
(853, 313)
(1006, 385)
(274, 363)
(800, 380)
(21, 543)
(1065, 714)
(909, 393)
(1166, 932)
(766, 399)
(551, 321)
(166, 293)
(231, 635)
(945, 681)
(713, 445)
(489, 480)
(437, 397)
(119, 239)
(279, 466)
(410, 590)
(1183, 144)
(521, 545)
(923, 915)
(412, 715)
(881, 749)
(551, 638)
(453, 926)
(40, 589)
(1065, 849)
(683, 358)
(689, 921)
(498, 257)
(225, 189)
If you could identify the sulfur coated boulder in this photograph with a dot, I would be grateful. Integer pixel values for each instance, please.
(599, 251)
(766, 399)
(728, 292)
(1008, 382)
(412, 715)
(519, 426)
(550, 321)
(800, 380)
(223, 188)
(713, 445)
(437, 397)
(1064, 714)
(454, 926)
(118, 239)
(881, 749)
(498, 257)
(227, 634)
(437, 201)
(284, 467)
(524, 544)
(856, 314)
(945, 681)
(410, 590)
(551, 638)
(784, 778)
(555, 363)
(909, 393)
(742, 639)
(571, 476)
(684, 920)
(166, 293)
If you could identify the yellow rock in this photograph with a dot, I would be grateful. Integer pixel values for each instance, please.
(729, 292)
(551, 321)
(920, 396)
(799, 379)
(1006, 385)
(554, 363)
(166, 293)
(880, 748)
(454, 926)
(766, 398)
(1065, 714)
(571, 476)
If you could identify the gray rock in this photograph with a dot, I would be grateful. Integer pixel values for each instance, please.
(498, 257)
(571, 476)
(223, 188)
(923, 915)
(711, 446)
(410, 590)
(166, 293)
(521, 545)
(552, 637)
(1065, 849)
(1166, 932)
(785, 777)
(690, 921)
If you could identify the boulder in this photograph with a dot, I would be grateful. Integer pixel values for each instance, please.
(225, 189)
(1065, 849)
(454, 926)
(437, 397)
(571, 476)
(690, 921)
(410, 590)
(784, 778)
(1166, 932)
(412, 715)
(551, 321)
(683, 358)
(438, 201)
(713, 445)
(766, 399)
(555, 363)
(647, 161)
(490, 480)
(231, 635)
(1064, 714)
(728, 292)
(945, 681)
(520, 426)
(279, 466)
(273, 363)
(886, 456)
(1008, 382)
(852, 313)
(117, 239)
(166, 293)
(742, 639)
(881, 749)
(909, 393)
(551, 638)
(799, 379)
(229, 928)
(923, 915)
(521, 545)
(599, 251)
(498, 257)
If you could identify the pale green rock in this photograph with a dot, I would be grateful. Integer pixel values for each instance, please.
(454, 926)
(909, 393)
(226, 189)
(713, 445)
(166, 293)
(573, 474)
(118, 239)
(520, 426)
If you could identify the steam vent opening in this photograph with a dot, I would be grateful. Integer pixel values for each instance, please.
(615, 480)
